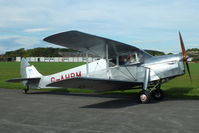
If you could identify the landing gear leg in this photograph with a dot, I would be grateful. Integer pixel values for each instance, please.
(157, 94)
(144, 95)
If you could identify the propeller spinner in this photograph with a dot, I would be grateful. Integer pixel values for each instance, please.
(184, 55)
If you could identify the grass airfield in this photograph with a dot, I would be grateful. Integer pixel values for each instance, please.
(180, 87)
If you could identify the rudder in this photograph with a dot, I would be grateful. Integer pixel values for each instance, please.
(28, 71)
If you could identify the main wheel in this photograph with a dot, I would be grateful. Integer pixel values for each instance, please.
(157, 94)
(144, 97)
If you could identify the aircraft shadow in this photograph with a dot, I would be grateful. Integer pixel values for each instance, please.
(122, 100)
(54, 92)
(83, 94)
(114, 100)
(116, 103)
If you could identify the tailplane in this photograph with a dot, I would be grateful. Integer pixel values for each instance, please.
(29, 75)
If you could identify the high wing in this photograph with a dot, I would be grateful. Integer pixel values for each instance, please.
(95, 84)
(92, 44)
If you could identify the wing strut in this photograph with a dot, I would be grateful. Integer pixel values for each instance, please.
(107, 61)
(87, 67)
(117, 60)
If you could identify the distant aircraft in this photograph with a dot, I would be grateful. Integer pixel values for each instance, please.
(121, 67)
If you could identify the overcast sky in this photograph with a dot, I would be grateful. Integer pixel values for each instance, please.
(146, 24)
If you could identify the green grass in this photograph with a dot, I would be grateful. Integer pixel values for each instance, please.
(9, 70)
(180, 87)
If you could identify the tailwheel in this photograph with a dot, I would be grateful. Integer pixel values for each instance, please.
(25, 91)
(157, 94)
(144, 96)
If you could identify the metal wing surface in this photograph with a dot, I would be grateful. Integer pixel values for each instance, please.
(94, 45)
(95, 84)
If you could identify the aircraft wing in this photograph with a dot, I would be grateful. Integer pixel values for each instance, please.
(95, 45)
(95, 84)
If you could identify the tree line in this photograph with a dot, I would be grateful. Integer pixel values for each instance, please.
(51, 52)
(37, 52)
(59, 52)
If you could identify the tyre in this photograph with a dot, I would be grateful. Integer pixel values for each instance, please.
(144, 97)
(157, 94)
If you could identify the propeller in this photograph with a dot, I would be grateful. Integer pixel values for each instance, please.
(184, 55)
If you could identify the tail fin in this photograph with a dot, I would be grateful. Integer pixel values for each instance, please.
(28, 71)
(29, 75)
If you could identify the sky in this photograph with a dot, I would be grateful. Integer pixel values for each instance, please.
(146, 24)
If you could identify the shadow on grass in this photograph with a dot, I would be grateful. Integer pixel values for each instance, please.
(180, 93)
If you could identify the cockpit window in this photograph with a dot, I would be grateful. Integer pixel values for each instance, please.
(130, 58)
(126, 59)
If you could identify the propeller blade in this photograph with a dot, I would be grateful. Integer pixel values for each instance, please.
(183, 48)
(184, 55)
(188, 71)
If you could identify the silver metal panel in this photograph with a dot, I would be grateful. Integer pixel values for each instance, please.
(166, 66)
(124, 73)
(132, 73)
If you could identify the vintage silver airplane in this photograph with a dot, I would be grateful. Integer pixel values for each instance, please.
(121, 67)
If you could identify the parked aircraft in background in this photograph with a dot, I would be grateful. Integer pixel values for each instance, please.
(121, 67)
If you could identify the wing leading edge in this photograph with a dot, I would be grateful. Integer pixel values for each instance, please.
(95, 84)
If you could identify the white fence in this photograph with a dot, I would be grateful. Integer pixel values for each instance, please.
(58, 59)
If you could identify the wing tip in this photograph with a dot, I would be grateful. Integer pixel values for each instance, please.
(49, 38)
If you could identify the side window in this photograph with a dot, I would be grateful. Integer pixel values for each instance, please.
(123, 59)
(133, 58)
(127, 59)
